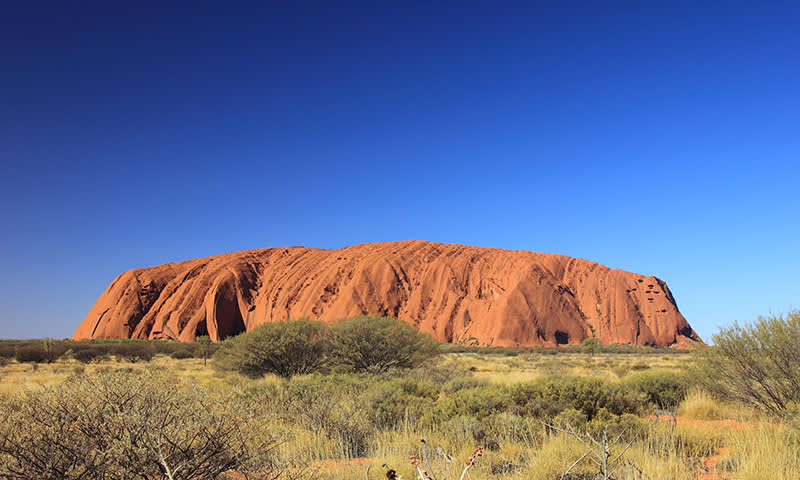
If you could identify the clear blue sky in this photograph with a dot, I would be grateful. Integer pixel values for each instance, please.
(660, 140)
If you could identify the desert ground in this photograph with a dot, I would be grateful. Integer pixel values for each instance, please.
(535, 412)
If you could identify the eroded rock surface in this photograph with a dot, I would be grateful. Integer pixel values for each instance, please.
(454, 292)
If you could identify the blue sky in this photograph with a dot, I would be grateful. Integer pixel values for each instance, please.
(657, 139)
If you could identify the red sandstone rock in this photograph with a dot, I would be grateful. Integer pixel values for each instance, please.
(454, 292)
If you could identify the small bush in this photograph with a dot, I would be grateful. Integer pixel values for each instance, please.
(467, 426)
(181, 354)
(30, 353)
(547, 398)
(664, 389)
(121, 426)
(505, 427)
(640, 366)
(757, 364)
(133, 351)
(620, 370)
(403, 400)
(439, 373)
(476, 402)
(288, 348)
(376, 344)
(570, 419)
(89, 353)
(461, 383)
(7, 351)
(627, 426)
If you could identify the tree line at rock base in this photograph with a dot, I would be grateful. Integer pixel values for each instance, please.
(137, 350)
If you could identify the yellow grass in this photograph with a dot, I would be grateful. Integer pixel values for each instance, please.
(757, 450)
(529, 366)
(764, 451)
(20, 376)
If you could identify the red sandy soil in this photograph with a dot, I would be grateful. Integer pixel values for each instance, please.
(456, 293)
(710, 466)
(710, 470)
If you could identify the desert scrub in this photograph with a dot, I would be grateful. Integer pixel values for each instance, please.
(376, 344)
(125, 426)
(477, 402)
(461, 383)
(756, 364)
(399, 401)
(665, 389)
(546, 398)
(285, 349)
(372, 344)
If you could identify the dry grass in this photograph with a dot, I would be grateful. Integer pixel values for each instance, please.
(20, 376)
(763, 450)
(495, 368)
(529, 366)
(757, 450)
(700, 405)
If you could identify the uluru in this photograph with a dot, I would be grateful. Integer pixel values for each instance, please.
(457, 293)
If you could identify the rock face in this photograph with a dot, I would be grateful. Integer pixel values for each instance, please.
(454, 292)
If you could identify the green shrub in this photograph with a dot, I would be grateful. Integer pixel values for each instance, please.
(397, 401)
(461, 383)
(377, 343)
(30, 353)
(627, 425)
(476, 402)
(53, 349)
(331, 404)
(466, 426)
(591, 345)
(439, 373)
(87, 353)
(133, 351)
(181, 354)
(505, 427)
(620, 370)
(285, 348)
(7, 351)
(123, 426)
(546, 398)
(664, 389)
(791, 430)
(570, 419)
(757, 364)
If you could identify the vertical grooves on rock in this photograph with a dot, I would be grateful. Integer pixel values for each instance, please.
(498, 296)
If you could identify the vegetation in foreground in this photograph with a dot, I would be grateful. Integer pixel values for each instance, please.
(535, 413)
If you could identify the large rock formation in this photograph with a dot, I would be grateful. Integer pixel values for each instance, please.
(455, 292)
